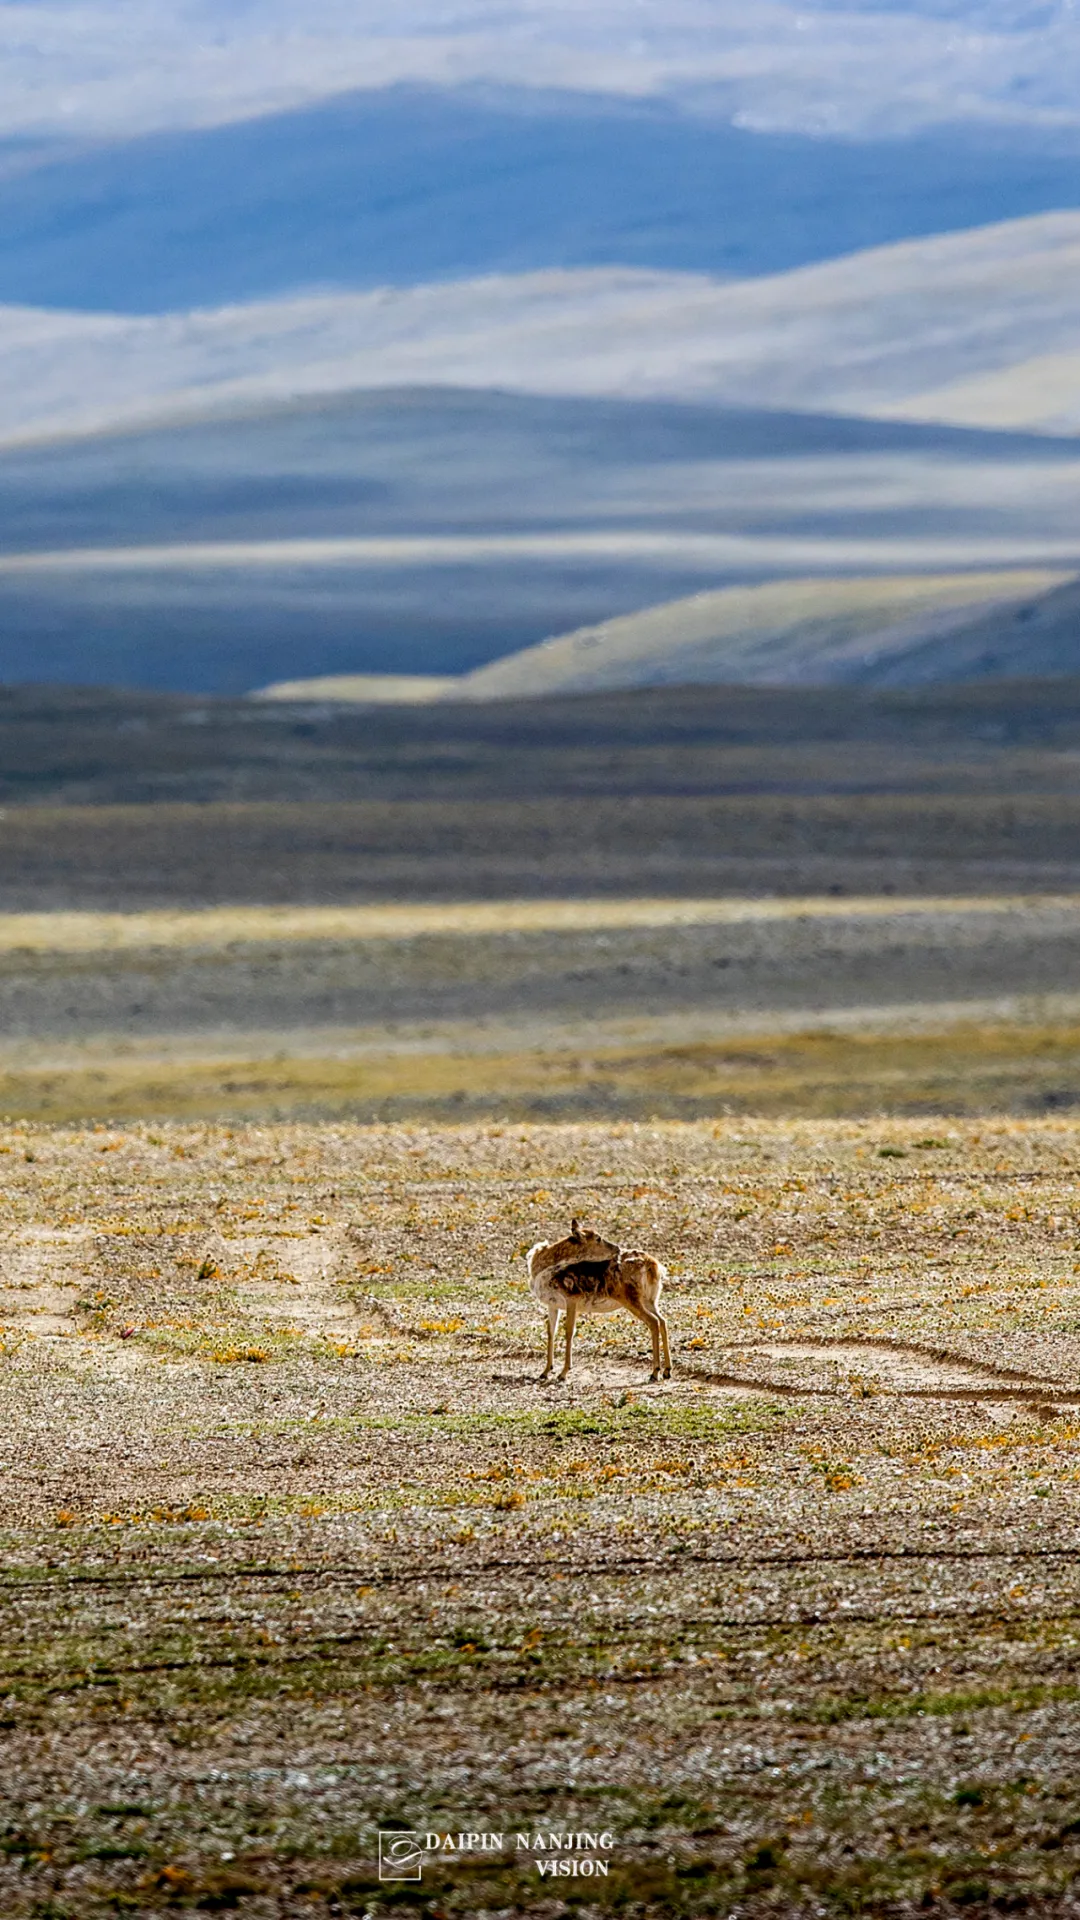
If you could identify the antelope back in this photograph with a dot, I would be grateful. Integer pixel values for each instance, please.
(581, 1246)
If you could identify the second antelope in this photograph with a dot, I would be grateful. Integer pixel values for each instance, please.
(587, 1274)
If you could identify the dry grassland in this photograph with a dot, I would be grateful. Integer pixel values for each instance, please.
(533, 1009)
(295, 1547)
(952, 1065)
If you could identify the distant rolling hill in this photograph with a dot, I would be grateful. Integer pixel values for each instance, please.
(431, 531)
(408, 184)
(871, 632)
(422, 480)
(1037, 635)
(442, 461)
(884, 631)
(875, 332)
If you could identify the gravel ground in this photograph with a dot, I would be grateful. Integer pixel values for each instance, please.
(296, 1547)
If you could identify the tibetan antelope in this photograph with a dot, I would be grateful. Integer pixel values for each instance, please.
(587, 1274)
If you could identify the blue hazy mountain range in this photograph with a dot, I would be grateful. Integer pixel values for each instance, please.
(576, 477)
(406, 185)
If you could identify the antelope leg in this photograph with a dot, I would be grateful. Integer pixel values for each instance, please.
(654, 1323)
(552, 1322)
(654, 1330)
(666, 1347)
(571, 1316)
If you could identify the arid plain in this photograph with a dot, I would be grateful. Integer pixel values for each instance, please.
(296, 1547)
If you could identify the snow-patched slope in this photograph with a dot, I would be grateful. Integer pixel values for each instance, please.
(876, 331)
(101, 66)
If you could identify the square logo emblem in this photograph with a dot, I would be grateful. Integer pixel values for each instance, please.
(401, 1856)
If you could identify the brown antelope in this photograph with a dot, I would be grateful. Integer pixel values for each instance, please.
(587, 1274)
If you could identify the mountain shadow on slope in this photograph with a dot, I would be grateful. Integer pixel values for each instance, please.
(411, 184)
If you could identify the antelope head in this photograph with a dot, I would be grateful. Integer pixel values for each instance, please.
(583, 1243)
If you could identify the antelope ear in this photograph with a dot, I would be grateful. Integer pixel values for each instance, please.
(575, 1230)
